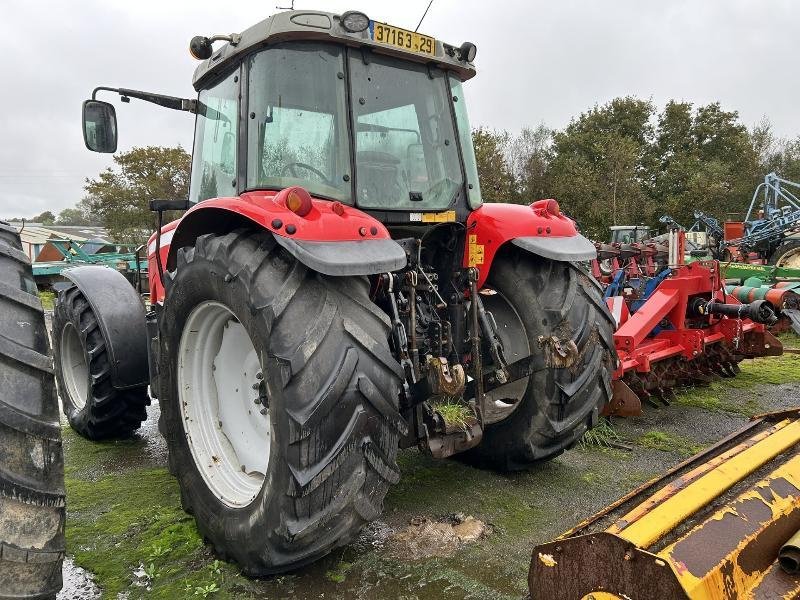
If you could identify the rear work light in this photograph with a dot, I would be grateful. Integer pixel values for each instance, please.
(548, 206)
(354, 21)
(298, 200)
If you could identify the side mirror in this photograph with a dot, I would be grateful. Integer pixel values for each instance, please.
(99, 126)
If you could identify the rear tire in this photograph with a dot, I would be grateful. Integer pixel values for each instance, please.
(787, 254)
(94, 408)
(31, 459)
(559, 404)
(330, 383)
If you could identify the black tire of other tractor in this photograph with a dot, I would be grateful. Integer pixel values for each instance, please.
(105, 412)
(333, 387)
(560, 404)
(31, 459)
(788, 245)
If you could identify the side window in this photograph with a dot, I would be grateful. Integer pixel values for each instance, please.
(216, 131)
(465, 137)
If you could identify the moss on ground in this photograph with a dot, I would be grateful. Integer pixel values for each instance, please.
(47, 299)
(130, 519)
(668, 442)
(125, 513)
(772, 370)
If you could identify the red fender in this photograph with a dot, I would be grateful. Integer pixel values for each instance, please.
(539, 228)
(325, 221)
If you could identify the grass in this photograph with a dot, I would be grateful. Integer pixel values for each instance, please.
(668, 442)
(771, 370)
(131, 519)
(602, 435)
(48, 299)
(454, 414)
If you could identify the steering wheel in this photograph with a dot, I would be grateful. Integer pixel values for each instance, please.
(292, 166)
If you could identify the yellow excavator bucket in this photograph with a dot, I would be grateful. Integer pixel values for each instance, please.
(722, 525)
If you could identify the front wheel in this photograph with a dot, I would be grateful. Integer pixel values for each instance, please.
(555, 308)
(95, 409)
(279, 401)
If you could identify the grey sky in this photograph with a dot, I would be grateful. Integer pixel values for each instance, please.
(537, 61)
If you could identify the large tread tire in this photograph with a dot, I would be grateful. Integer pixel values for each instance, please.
(104, 412)
(31, 460)
(789, 246)
(333, 387)
(560, 403)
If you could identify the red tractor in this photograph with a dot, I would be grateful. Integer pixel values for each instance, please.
(335, 290)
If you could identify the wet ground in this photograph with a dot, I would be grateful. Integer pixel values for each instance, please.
(125, 524)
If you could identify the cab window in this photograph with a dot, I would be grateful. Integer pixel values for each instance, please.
(214, 155)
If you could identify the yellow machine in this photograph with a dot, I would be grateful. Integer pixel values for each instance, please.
(712, 528)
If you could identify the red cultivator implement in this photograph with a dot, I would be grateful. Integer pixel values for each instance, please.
(676, 325)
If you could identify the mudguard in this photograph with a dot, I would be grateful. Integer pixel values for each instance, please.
(121, 317)
(332, 238)
(540, 229)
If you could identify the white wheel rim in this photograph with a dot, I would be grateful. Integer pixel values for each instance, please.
(219, 379)
(791, 259)
(74, 369)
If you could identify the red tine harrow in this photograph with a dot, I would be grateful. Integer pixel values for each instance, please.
(676, 325)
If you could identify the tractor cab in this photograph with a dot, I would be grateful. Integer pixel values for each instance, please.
(351, 109)
(629, 234)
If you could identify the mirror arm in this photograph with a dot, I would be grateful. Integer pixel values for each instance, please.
(172, 102)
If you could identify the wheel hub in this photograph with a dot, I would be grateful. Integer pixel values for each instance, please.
(224, 408)
(74, 369)
(503, 400)
(790, 260)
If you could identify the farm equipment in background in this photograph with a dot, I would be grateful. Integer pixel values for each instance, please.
(629, 234)
(132, 264)
(676, 326)
(719, 526)
(769, 233)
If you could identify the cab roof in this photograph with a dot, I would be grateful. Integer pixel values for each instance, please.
(296, 25)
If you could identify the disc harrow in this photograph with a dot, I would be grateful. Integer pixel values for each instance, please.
(676, 324)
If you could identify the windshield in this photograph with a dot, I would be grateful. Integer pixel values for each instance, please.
(406, 148)
(406, 144)
(297, 133)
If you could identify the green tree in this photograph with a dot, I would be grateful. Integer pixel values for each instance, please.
(45, 218)
(774, 154)
(120, 196)
(705, 159)
(80, 214)
(600, 171)
(529, 156)
(494, 174)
